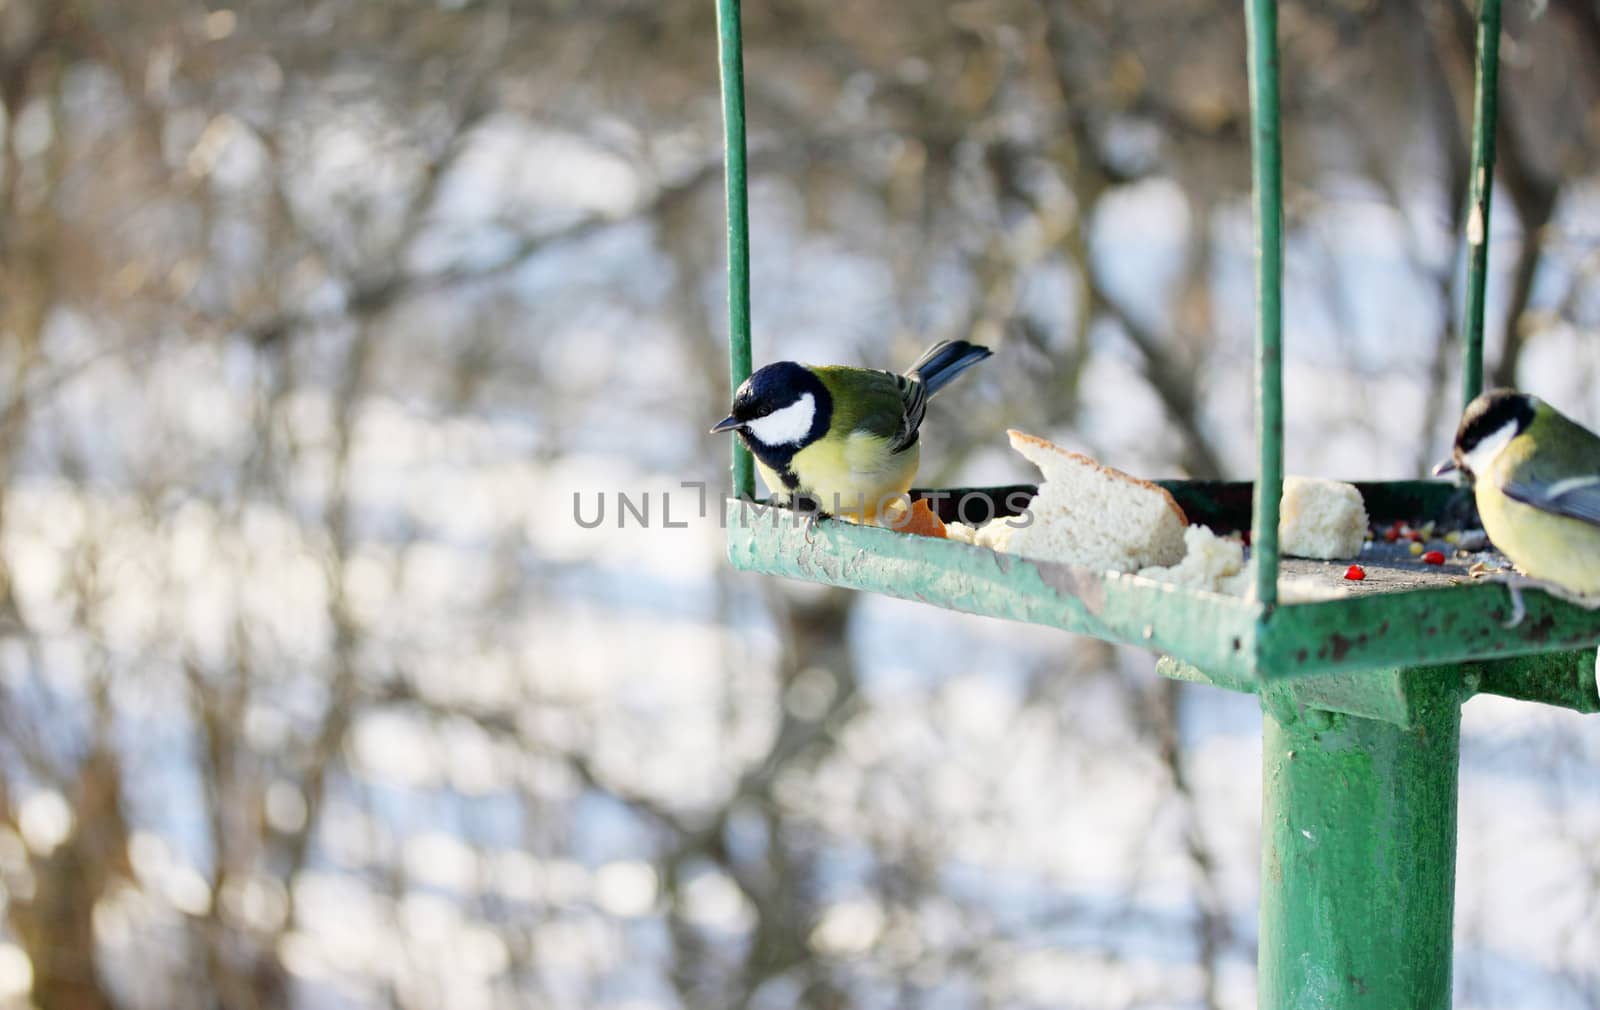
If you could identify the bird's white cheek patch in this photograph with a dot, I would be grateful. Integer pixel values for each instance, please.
(787, 426)
(1489, 447)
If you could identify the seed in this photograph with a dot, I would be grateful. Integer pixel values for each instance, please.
(1434, 557)
(1355, 573)
(1416, 547)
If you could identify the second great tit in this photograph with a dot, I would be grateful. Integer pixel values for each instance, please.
(844, 438)
(1536, 478)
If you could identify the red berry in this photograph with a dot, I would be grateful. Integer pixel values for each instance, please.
(1392, 534)
(1434, 557)
(1355, 573)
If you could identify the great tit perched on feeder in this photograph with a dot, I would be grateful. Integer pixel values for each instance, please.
(1536, 477)
(843, 438)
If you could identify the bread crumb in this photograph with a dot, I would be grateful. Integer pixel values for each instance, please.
(1291, 588)
(1207, 561)
(960, 531)
(995, 534)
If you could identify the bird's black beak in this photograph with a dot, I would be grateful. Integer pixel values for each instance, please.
(728, 423)
(1445, 466)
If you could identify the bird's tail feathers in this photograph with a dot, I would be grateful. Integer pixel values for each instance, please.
(945, 360)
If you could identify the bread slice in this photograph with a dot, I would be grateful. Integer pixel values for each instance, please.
(1091, 515)
(1320, 518)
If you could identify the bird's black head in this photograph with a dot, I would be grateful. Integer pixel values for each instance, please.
(782, 408)
(1490, 421)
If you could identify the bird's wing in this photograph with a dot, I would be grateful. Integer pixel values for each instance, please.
(1574, 497)
(914, 400)
(1573, 491)
(882, 404)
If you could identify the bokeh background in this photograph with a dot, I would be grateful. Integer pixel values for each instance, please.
(320, 318)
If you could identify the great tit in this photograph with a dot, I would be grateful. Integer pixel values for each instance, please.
(1536, 478)
(843, 438)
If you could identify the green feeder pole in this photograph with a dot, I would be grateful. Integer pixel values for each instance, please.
(731, 50)
(1484, 107)
(1359, 814)
(1261, 24)
(1358, 855)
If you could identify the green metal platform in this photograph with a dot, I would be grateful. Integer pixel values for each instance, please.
(1404, 613)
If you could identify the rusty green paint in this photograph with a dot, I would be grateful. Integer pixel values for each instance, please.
(1448, 624)
(1229, 680)
(1358, 859)
(1564, 679)
(1211, 629)
(1399, 696)
(1220, 634)
(1371, 694)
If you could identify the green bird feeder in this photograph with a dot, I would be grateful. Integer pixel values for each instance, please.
(1361, 695)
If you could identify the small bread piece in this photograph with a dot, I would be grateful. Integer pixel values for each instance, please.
(1319, 518)
(1291, 588)
(1091, 515)
(992, 534)
(1207, 563)
(960, 531)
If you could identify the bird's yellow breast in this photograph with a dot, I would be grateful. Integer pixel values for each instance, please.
(1546, 546)
(855, 475)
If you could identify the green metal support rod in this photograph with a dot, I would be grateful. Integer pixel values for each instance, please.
(1485, 102)
(1358, 829)
(1261, 22)
(731, 50)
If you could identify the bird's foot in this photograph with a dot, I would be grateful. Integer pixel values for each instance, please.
(810, 514)
(1516, 582)
(1519, 610)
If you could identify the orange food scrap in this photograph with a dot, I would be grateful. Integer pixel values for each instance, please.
(922, 522)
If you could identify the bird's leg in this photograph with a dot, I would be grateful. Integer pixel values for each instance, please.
(811, 513)
(1518, 609)
(1516, 583)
